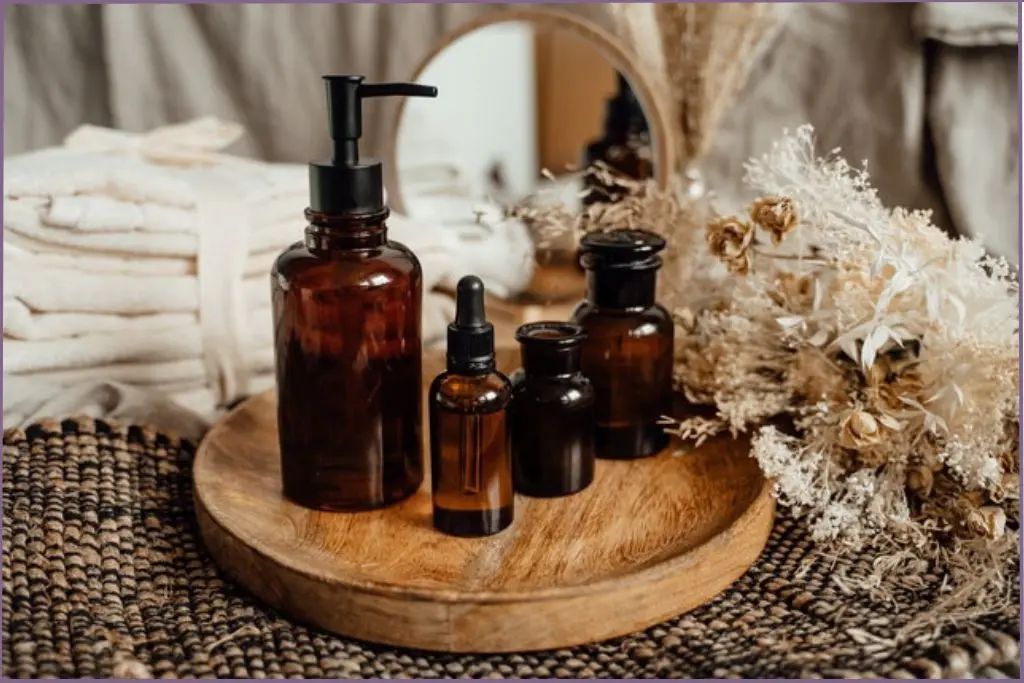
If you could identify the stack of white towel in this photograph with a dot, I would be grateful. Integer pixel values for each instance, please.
(136, 272)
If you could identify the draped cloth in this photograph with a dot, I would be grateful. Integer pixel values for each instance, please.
(926, 92)
(142, 259)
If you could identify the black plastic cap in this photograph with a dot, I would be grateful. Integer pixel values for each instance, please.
(625, 249)
(346, 184)
(471, 336)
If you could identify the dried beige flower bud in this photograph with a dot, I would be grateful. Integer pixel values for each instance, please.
(685, 318)
(816, 378)
(988, 521)
(739, 265)
(920, 480)
(995, 520)
(701, 366)
(795, 292)
(1009, 486)
(858, 430)
(777, 215)
(970, 498)
(729, 239)
(877, 373)
(889, 389)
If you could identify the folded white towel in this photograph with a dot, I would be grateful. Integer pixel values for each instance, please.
(180, 414)
(27, 218)
(142, 261)
(150, 346)
(87, 213)
(53, 290)
(133, 168)
(21, 323)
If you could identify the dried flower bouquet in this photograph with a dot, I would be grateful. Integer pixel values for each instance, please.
(872, 359)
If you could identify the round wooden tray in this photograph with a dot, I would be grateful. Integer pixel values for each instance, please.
(648, 540)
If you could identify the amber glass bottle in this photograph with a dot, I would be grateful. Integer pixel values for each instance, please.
(346, 304)
(552, 412)
(628, 351)
(470, 462)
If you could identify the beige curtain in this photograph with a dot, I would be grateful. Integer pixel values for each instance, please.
(926, 92)
(140, 66)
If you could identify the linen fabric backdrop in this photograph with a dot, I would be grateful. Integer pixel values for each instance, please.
(926, 92)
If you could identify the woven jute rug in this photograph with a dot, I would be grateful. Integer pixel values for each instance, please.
(104, 575)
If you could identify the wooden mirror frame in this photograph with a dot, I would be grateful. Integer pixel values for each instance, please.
(611, 48)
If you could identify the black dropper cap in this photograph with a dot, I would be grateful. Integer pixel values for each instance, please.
(470, 337)
(346, 184)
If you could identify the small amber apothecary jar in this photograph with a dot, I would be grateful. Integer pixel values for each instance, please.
(628, 351)
(552, 412)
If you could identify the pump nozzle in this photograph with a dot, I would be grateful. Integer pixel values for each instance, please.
(347, 184)
(345, 95)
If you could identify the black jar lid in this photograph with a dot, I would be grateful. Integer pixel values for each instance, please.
(628, 249)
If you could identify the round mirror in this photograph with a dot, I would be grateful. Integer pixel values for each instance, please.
(529, 100)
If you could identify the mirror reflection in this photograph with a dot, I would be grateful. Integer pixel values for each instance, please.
(525, 108)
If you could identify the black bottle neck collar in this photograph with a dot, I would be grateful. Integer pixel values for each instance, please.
(550, 349)
(477, 367)
(625, 289)
(331, 232)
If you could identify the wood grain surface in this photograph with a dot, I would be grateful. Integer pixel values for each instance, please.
(648, 540)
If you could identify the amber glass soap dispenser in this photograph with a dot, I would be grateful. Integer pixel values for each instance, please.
(470, 461)
(346, 306)
(628, 351)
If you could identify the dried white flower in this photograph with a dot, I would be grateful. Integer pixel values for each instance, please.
(776, 215)
(890, 348)
(893, 349)
(859, 429)
(920, 480)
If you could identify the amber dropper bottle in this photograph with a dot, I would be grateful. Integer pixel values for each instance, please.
(470, 460)
(346, 304)
(627, 354)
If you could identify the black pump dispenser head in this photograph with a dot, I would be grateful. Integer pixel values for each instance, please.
(346, 184)
(470, 337)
